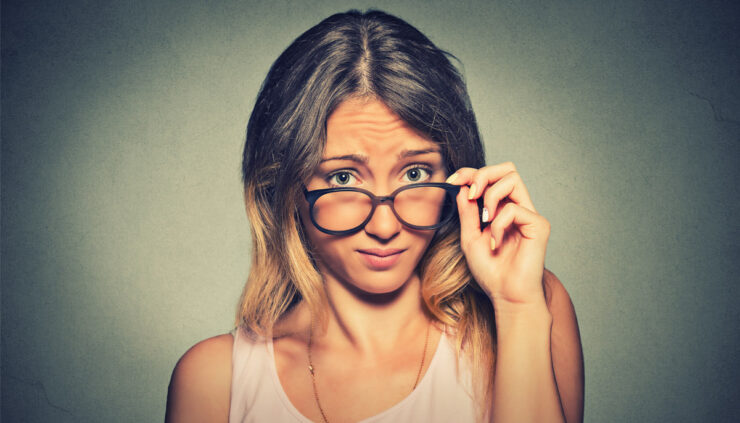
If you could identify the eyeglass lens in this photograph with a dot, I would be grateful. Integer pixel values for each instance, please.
(345, 210)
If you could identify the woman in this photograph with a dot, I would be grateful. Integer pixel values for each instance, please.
(377, 290)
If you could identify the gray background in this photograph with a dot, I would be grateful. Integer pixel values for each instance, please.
(124, 240)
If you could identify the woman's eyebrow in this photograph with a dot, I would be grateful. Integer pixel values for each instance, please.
(352, 157)
(359, 158)
(409, 153)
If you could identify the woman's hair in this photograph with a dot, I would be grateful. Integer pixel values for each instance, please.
(348, 55)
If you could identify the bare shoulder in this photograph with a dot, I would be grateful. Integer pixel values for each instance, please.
(556, 295)
(564, 321)
(200, 387)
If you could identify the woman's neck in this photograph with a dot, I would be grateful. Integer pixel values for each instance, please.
(372, 323)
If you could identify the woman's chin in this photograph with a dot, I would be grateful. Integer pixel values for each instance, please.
(382, 287)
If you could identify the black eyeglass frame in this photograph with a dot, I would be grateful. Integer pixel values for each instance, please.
(312, 196)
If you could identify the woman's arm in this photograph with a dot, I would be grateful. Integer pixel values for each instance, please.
(524, 386)
(200, 387)
(537, 349)
(539, 364)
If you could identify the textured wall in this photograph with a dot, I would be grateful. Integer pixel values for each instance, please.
(123, 234)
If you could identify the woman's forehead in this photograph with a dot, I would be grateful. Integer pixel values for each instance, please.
(368, 127)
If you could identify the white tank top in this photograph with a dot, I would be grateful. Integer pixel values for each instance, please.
(257, 396)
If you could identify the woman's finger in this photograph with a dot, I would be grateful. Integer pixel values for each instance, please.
(469, 219)
(467, 176)
(480, 179)
(509, 186)
(461, 176)
(530, 224)
(512, 185)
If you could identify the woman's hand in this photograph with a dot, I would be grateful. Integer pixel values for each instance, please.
(507, 256)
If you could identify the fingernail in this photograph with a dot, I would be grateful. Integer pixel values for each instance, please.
(493, 243)
(452, 178)
(471, 193)
(484, 215)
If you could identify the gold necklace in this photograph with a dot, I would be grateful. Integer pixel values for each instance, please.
(313, 371)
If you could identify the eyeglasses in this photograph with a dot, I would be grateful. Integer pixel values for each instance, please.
(343, 211)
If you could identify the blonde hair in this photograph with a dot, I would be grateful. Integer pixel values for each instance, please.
(333, 61)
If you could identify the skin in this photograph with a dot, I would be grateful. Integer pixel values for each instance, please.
(376, 326)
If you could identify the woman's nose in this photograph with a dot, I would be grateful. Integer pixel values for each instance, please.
(383, 224)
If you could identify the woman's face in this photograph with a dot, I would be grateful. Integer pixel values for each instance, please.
(370, 147)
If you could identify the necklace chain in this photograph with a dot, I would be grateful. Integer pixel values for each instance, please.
(312, 371)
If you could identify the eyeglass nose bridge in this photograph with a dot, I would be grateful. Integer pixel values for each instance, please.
(378, 200)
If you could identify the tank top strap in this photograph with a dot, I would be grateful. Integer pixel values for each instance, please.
(253, 390)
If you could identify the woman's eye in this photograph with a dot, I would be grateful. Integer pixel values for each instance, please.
(341, 178)
(416, 174)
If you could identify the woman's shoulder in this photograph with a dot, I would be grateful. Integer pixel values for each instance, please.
(555, 293)
(200, 387)
(212, 354)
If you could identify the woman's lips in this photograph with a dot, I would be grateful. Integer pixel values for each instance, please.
(380, 259)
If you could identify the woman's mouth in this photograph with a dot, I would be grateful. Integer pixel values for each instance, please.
(380, 258)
